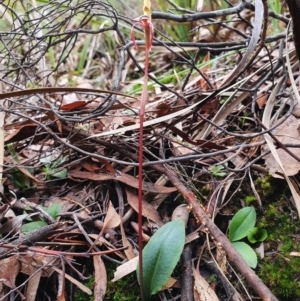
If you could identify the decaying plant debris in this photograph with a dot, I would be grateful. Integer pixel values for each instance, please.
(221, 103)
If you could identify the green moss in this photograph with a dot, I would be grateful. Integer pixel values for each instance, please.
(125, 289)
(278, 270)
(250, 199)
(265, 185)
(81, 296)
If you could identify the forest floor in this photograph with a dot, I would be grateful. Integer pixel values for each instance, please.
(221, 126)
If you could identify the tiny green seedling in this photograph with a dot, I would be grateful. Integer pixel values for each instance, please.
(257, 235)
(218, 171)
(20, 179)
(243, 225)
(53, 211)
(51, 168)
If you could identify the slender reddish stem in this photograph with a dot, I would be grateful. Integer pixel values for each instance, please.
(140, 192)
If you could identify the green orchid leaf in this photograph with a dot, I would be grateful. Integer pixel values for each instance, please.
(252, 235)
(62, 174)
(242, 223)
(54, 210)
(27, 228)
(247, 253)
(161, 255)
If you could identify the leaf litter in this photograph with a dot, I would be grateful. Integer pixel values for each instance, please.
(71, 147)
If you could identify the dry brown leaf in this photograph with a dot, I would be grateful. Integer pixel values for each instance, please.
(73, 280)
(9, 270)
(287, 132)
(112, 123)
(126, 268)
(130, 266)
(124, 178)
(13, 224)
(135, 227)
(260, 250)
(170, 283)
(90, 166)
(129, 252)
(179, 149)
(61, 288)
(202, 82)
(112, 218)
(148, 210)
(210, 107)
(221, 259)
(262, 100)
(202, 290)
(100, 279)
(162, 109)
(16, 132)
(31, 263)
(181, 212)
(33, 284)
(94, 166)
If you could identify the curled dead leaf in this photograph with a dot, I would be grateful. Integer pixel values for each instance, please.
(202, 290)
(181, 212)
(287, 132)
(112, 218)
(100, 279)
(148, 211)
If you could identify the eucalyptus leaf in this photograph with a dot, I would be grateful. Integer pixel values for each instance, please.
(242, 223)
(247, 253)
(161, 255)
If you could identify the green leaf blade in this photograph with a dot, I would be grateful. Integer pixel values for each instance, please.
(242, 223)
(27, 228)
(251, 236)
(257, 234)
(161, 255)
(62, 174)
(247, 253)
(54, 210)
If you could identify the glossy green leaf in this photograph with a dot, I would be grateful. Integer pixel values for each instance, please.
(257, 234)
(247, 253)
(54, 210)
(242, 223)
(27, 228)
(161, 255)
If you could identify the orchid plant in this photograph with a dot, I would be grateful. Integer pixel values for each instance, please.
(163, 250)
(145, 22)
